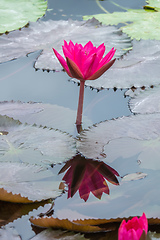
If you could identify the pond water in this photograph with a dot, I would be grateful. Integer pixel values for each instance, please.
(21, 82)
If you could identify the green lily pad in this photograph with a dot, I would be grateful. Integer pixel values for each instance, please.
(26, 183)
(55, 32)
(31, 144)
(16, 14)
(134, 69)
(141, 127)
(146, 102)
(154, 3)
(135, 21)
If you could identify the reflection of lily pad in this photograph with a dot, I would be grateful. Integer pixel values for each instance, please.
(134, 69)
(141, 127)
(146, 102)
(49, 34)
(16, 14)
(139, 19)
(53, 116)
(36, 145)
(27, 183)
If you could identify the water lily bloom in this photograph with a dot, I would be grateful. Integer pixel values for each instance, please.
(134, 229)
(84, 63)
(87, 175)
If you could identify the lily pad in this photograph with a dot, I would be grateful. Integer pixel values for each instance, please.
(16, 14)
(140, 127)
(49, 234)
(49, 115)
(27, 183)
(9, 233)
(11, 211)
(130, 198)
(134, 69)
(135, 20)
(146, 102)
(48, 222)
(46, 35)
(145, 150)
(31, 144)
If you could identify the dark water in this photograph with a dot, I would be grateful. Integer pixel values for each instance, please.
(20, 81)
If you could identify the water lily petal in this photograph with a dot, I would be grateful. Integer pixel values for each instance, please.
(106, 171)
(107, 58)
(67, 53)
(75, 71)
(62, 62)
(132, 235)
(88, 47)
(93, 66)
(71, 46)
(101, 70)
(100, 51)
(84, 191)
(77, 178)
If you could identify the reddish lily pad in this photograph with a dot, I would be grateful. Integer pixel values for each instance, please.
(55, 32)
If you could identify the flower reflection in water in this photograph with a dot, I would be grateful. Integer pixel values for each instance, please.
(88, 175)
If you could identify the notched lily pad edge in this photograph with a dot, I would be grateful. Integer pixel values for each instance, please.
(34, 124)
(88, 225)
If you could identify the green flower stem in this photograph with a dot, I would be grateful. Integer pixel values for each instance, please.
(80, 105)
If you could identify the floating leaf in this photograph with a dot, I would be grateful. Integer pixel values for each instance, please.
(53, 116)
(49, 234)
(140, 127)
(138, 19)
(134, 176)
(36, 145)
(16, 14)
(134, 69)
(27, 183)
(108, 225)
(146, 102)
(11, 211)
(9, 233)
(48, 222)
(145, 150)
(49, 34)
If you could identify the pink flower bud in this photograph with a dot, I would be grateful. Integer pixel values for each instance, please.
(134, 229)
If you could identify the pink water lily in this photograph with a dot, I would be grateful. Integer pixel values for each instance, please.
(87, 175)
(84, 63)
(134, 229)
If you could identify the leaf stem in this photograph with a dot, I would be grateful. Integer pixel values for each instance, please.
(100, 6)
(80, 106)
